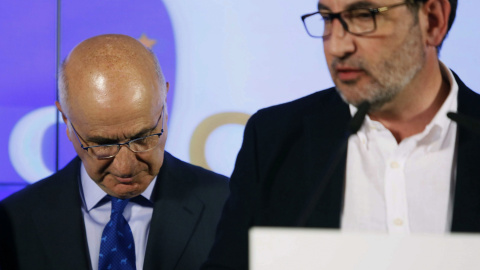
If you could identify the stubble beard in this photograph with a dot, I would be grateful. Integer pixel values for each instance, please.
(388, 78)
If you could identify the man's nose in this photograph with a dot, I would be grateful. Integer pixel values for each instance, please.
(339, 43)
(124, 162)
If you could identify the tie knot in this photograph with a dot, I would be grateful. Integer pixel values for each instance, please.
(118, 205)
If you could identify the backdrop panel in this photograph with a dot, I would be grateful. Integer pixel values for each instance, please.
(223, 59)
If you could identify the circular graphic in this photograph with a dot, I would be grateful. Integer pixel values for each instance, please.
(205, 128)
(26, 140)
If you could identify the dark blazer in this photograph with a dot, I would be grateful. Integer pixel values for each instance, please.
(284, 154)
(42, 227)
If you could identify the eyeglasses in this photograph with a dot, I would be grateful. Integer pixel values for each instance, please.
(356, 21)
(138, 145)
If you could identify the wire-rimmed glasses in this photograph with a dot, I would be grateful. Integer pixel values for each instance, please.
(138, 145)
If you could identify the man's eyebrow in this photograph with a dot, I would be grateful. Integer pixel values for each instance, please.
(142, 133)
(361, 4)
(103, 140)
(356, 5)
(100, 140)
(321, 6)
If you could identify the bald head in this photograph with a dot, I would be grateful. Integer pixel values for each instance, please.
(112, 91)
(109, 72)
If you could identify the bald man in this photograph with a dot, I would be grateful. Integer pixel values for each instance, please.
(113, 101)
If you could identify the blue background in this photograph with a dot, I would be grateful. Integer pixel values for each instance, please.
(35, 35)
(219, 57)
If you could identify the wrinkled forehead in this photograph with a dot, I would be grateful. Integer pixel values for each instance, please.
(117, 101)
(121, 127)
(119, 121)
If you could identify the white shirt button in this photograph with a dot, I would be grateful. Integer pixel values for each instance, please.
(398, 222)
(394, 165)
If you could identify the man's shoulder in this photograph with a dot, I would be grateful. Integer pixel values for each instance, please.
(324, 102)
(468, 100)
(46, 187)
(306, 103)
(193, 169)
(195, 177)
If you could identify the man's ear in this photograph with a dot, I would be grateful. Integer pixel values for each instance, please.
(166, 93)
(65, 119)
(436, 13)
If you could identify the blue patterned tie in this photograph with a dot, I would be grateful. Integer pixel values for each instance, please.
(117, 249)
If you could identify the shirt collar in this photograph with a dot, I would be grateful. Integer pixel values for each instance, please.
(435, 130)
(92, 194)
(440, 123)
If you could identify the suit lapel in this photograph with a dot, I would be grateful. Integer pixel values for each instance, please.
(466, 208)
(59, 222)
(174, 219)
(325, 130)
(326, 126)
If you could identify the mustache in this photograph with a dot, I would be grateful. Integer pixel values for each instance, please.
(348, 63)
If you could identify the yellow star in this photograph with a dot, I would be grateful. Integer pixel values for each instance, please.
(146, 41)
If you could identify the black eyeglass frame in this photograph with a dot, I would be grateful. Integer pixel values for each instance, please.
(127, 144)
(338, 15)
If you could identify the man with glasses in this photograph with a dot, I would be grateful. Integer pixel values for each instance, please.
(409, 168)
(124, 202)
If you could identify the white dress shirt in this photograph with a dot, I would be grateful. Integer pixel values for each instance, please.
(96, 214)
(404, 187)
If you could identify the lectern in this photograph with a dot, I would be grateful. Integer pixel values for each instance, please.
(305, 249)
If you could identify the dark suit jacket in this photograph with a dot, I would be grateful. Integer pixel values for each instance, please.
(42, 227)
(284, 153)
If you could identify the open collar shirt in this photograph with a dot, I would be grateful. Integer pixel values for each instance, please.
(404, 187)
